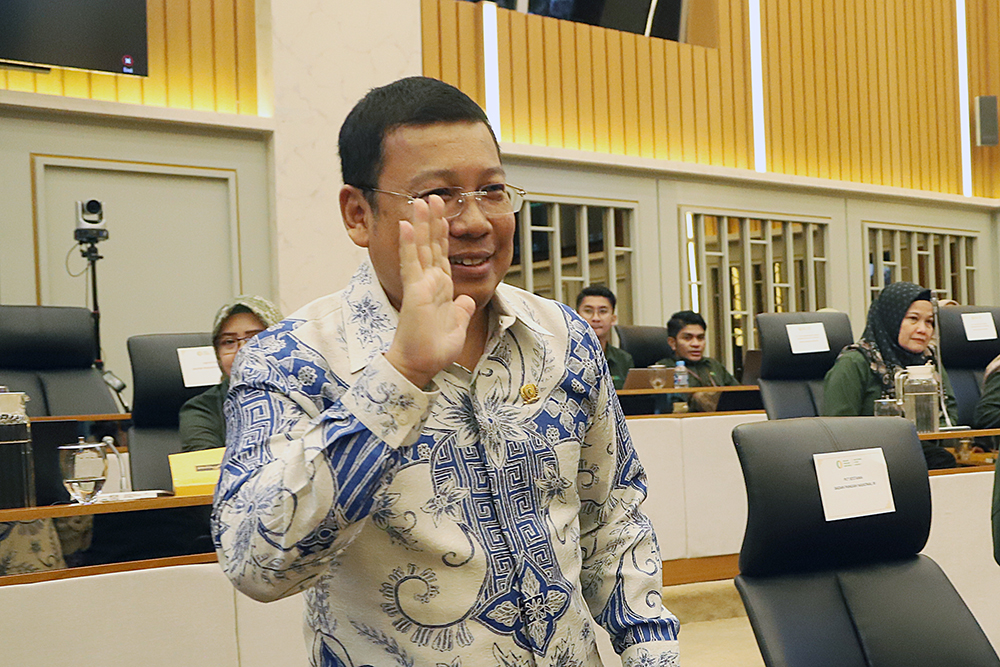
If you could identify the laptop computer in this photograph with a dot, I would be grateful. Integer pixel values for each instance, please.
(649, 378)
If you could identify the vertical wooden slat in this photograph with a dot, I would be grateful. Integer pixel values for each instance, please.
(675, 123)
(585, 86)
(536, 80)
(742, 110)
(48, 84)
(796, 93)
(932, 22)
(506, 76)
(883, 147)
(701, 112)
(916, 13)
(727, 100)
(854, 128)
(950, 124)
(519, 67)
(616, 99)
(224, 54)
(808, 68)
(772, 55)
(831, 137)
(76, 83)
(599, 67)
(824, 96)
(430, 31)
(864, 128)
(689, 128)
(202, 56)
(553, 83)
(246, 55)
(645, 86)
(569, 101)
(714, 108)
(103, 86)
(470, 50)
(154, 86)
(842, 65)
(178, 54)
(892, 96)
(905, 78)
(630, 93)
(661, 99)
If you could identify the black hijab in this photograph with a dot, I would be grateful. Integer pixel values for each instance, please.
(880, 341)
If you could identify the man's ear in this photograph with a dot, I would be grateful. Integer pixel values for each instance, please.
(357, 214)
(672, 342)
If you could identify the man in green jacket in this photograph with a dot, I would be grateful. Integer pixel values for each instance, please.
(686, 337)
(596, 304)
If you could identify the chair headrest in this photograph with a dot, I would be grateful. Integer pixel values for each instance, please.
(957, 351)
(777, 361)
(45, 337)
(786, 528)
(646, 344)
(158, 390)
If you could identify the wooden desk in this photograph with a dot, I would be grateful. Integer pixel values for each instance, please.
(76, 509)
(958, 435)
(684, 390)
(115, 417)
(732, 399)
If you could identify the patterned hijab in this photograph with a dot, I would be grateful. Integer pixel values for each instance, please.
(265, 311)
(880, 342)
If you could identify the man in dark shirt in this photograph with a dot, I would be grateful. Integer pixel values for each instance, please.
(686, 336)
(596, 304)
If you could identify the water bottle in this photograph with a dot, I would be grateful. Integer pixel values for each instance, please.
(17, 463)
(681, 375)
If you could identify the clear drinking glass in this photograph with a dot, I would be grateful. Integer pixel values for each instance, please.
(888, 407)
(84, 469)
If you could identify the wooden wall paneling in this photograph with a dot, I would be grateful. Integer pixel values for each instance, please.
(953, 137)
(892, 95)
(853, 96)
(507, 83)
(688, 127)
(862, 66)
(585, 85)
(616, 96)
(448, 37)
(519, 79)
(76, 83)
(796, 92)
(430, 31)
(48, 84)
(919, 94)
(990, 85)
(599, 65)
(130, 89)
(828, 124)
(470, 51)
(675, 111)
(727, 95)
(554, 83)
(936, 94)
(224, 55)
(821, 95)
(841, 66)
(536, 80)
(178, 53)
(20, 81)
(246, 56)
(645, 88)
(570, 83)
(202, 47)
(904, 78)
(882, 75)
(154, 86)
(808, 64)
(662, 99)
(714, 108)
(702, 126)
(742, 103)
(630, 93)
(103, 86)
(771, 56)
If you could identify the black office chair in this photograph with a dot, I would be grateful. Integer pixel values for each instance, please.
(157, 396)
(791, 385)
(646, 344)
(48, 353)
(852, 592)
(966, 360)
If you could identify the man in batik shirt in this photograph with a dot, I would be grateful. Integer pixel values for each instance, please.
(437, 460)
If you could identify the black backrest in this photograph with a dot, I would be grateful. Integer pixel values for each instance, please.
(966, 360)
(791, 385)
(646, 344)
(157, 396)
(851, 592)
(48, 352)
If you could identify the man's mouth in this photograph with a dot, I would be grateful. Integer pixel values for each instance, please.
(468, 261)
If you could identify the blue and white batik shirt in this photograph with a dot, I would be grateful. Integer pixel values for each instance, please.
(484, 522)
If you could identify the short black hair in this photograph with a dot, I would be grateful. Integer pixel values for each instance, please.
(681, 319)
(596, 290)
(415, 100)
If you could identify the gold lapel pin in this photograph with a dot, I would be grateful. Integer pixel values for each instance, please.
(529, 393)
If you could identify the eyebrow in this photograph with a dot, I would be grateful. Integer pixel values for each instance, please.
(449, 173)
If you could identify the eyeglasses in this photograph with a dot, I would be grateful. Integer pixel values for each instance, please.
(493, 200)
(233, 343)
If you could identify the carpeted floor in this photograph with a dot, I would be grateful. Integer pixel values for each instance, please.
(715, 631)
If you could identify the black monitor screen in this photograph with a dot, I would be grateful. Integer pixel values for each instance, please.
(104, 35)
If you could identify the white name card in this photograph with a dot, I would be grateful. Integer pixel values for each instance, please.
(806, 338)
(199, 367)
(979, 326)
(853, 484)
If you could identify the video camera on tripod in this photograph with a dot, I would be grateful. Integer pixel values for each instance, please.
(90, 226)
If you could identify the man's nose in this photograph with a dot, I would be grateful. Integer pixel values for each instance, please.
(471, 221)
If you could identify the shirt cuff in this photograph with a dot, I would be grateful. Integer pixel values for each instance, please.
(388, 404)
(652, 654)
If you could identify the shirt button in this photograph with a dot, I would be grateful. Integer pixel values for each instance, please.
(403, 419)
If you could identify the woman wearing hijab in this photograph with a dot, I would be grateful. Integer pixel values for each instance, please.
(898, 333)
(202, 425)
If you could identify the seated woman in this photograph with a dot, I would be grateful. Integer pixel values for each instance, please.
(898, 333)
(202, 425)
